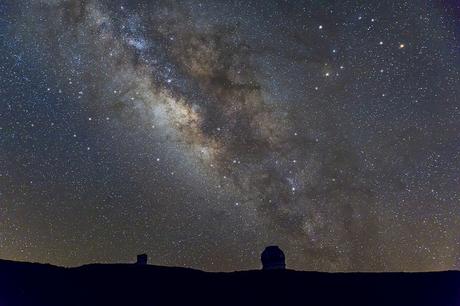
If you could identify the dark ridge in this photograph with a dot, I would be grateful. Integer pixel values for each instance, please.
(24, 284)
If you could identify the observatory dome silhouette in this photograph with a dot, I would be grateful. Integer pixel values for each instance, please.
(273, 258)
(142, 259)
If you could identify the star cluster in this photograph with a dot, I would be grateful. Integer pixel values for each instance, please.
(201, 131)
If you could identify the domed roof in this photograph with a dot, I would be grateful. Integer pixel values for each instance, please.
(273, 258)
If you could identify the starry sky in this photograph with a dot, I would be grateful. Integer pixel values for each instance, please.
(200, 132)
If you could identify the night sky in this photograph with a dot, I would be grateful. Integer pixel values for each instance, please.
(200, 132)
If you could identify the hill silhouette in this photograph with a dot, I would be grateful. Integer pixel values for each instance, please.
(24, 284)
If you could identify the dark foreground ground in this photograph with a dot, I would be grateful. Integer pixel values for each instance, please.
(26, 284)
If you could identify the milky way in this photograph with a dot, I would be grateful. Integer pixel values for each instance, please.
(202, 131)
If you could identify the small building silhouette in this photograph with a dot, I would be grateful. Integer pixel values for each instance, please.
(142, 259)
(273, 258)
